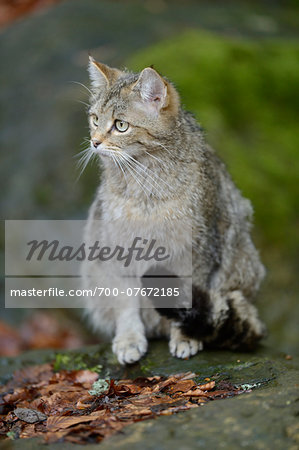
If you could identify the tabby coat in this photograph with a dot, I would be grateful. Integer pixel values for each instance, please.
(159, 179)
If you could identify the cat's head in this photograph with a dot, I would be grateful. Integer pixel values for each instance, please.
(129, 112)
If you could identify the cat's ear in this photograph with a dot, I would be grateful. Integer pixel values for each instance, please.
(152, 89)
(101, 75)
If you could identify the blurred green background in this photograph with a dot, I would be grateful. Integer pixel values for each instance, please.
(236, 66)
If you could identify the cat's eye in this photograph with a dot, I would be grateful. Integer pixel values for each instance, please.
(94, 120)
(121, 125)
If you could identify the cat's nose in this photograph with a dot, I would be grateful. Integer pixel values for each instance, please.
(96, 143)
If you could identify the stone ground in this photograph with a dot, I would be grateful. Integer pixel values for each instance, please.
(265, 418)
(43, 124)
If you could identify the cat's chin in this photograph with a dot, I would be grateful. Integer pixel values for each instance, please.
(106, 160)
(104, 155)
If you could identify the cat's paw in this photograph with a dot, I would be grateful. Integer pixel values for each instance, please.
(181, 346)
(129, 347)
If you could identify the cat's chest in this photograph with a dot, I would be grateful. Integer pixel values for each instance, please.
(167, 222)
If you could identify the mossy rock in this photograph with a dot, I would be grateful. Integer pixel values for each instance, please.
(266, 417)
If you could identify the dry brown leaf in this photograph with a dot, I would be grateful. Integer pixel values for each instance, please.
(55, 423)
(128, 388)
(181, 386)
(86, 376)
(208, 386)
(163, 384)
(28, 432)
(194, 393)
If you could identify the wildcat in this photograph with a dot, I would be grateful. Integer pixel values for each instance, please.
(158, 169)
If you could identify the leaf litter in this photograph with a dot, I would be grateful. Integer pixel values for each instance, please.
(78, 406)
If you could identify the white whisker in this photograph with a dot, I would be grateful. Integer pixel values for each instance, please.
(146, 170)
(85, 142)
(146, 181)
(85, 150)
(130, 169)
(134, 164)
(113, 158)
(119, 162)
(83, 103)
(153, 156)
(85, 87)
(87, 156)
(163, 146)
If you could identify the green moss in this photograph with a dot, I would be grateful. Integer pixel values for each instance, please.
(246, 95)
(75, 361)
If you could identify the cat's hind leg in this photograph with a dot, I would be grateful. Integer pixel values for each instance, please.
(218, 320)
(180, 345)
(240, 326)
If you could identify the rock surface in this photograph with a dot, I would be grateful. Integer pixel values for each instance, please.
(266, 417)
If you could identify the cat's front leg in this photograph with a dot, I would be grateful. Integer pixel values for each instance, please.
(180, 345)
(129, 343)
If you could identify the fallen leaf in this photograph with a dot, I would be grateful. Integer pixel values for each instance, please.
(194, 393)
(55, 423)
(181, 386)
(208, 386)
